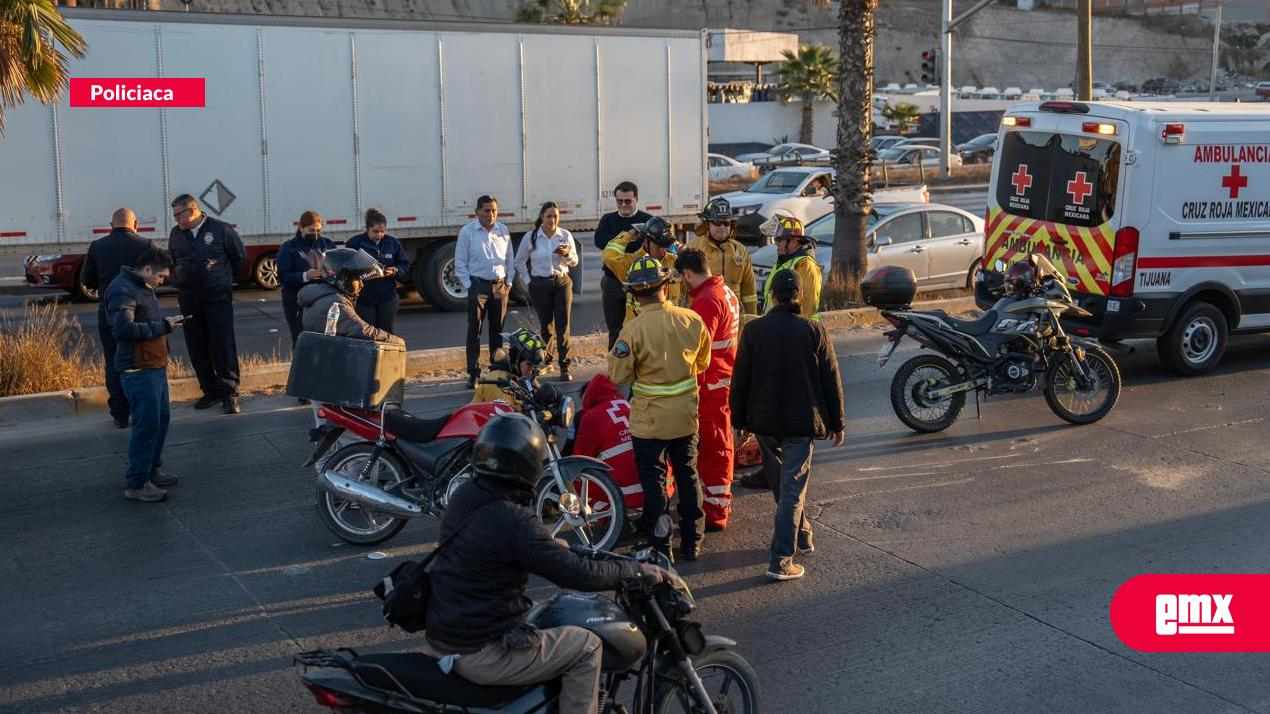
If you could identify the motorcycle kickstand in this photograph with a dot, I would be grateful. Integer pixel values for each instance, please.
(978, 411)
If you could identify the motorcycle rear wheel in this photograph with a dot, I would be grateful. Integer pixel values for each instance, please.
(925, 371)
(729, 680)
(1078, 406)
(602, 527)
(351, 522)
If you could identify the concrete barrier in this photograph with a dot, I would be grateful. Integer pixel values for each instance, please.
(53, 405)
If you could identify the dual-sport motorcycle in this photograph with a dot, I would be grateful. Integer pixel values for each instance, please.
(647, 636)
(1010, 349)
(400, 467)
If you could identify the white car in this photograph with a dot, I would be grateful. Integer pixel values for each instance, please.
(886, 141)
(801, 192)
(941, 244)
(726, 168)
(785, 153)
(912, 155)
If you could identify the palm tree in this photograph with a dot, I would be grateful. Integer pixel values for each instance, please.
(572, 12)
(808, 75)
(852, 193)
(903, 114)
(30, 61)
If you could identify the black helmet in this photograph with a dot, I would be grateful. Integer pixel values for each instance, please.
(646, 275)
(510, 447)
(1020, 276)
(657, 230)
(344, 265)
(522, 346)
(717, 209)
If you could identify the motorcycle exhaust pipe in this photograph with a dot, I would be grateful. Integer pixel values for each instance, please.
(363, 494)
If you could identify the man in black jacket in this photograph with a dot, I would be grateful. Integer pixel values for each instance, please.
(476, 615)
(208, 254)
(787, 391)
(123, 247)
(612, 294)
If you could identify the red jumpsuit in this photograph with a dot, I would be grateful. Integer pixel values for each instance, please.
(721, 311)
(604, 433)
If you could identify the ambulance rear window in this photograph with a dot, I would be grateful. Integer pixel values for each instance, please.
(1061, 178)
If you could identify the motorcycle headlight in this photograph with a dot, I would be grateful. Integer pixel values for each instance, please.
(565, 410)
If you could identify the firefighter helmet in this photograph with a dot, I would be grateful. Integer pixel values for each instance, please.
(657, 230)
(717, 209)
(526, 346)
(646, 275)
(780, 226)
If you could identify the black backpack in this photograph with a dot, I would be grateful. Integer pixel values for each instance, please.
(407, 589)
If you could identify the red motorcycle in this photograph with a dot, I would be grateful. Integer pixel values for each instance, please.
(404, 467)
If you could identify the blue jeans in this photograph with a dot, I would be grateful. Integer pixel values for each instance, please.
(787, 463)
(147, 392)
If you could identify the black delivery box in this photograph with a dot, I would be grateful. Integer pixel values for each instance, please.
(889, 287)
(349, 372)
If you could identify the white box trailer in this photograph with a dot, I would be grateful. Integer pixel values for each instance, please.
(417, 119)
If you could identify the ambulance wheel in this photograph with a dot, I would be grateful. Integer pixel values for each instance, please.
(1196, 341)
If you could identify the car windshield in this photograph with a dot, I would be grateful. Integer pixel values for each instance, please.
(781, 149)
(778, 182)
(822, 228)
(983, 140)
(891, 154)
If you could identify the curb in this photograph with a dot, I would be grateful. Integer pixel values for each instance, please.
(65, 403)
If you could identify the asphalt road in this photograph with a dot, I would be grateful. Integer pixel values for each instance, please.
(965, 571)
(261, 329)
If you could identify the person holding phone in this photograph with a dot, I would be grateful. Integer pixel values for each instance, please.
(141, 358)
(543, 259)
(300, 263)
(377, 304)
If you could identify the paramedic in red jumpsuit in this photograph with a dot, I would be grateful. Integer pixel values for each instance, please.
(719, 308)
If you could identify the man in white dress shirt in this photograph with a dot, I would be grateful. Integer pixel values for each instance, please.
(484, 264)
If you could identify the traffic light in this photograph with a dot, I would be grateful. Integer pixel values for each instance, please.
(930, 66)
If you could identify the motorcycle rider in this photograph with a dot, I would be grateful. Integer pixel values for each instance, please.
(660, 353)
(346, 271)
(657, 239)
(476, 614)
(796, 251)
(525, 354)
(727, 258)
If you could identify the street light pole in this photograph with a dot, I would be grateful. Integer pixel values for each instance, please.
(944, 62)
(1212, 77)
(1084, 51)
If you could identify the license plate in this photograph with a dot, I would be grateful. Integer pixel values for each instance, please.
(885, 351)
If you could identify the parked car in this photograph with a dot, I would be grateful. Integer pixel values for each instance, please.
(1125, 87)
(941, 244)
(918, 141)
(64, 271)
(912, 155)
(781, 152)
(978, 150)
(1263, 90)
(886, 141)
(726, 168)
(1160, 85)
(801, 192)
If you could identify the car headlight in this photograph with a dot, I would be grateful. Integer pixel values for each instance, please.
(746, 210)
(45, 258)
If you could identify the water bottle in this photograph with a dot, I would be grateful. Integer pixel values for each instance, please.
(332, 318)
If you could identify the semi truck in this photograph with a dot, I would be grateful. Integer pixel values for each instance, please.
(417, 119)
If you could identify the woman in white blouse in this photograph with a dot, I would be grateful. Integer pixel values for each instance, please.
(543, 259)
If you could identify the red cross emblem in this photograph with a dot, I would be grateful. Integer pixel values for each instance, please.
(1079, 188)
(1234, 181)
(1021, 179)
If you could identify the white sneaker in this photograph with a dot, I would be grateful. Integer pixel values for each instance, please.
(792, 571)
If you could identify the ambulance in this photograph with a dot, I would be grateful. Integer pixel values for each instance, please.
(1157, 213)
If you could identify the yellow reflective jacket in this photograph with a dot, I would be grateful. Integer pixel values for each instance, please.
(731, 260)
(493, 392)
(659, 353)
(617, 260)
(803, 263)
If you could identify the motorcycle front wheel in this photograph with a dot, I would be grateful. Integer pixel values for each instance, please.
(728, 679)
(593, 513)
(914, 379)
(1071, 402)
(351, 521)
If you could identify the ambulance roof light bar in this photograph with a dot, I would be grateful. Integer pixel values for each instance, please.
(1065, 107)
(1017, 121)
(1173, 133)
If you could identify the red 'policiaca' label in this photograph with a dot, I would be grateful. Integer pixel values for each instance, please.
(115, 92)
(1193, 613)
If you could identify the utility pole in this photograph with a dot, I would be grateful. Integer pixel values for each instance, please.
(948, 24)
(1212, 77)
(1084, 50)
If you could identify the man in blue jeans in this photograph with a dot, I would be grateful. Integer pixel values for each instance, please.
(141, 358)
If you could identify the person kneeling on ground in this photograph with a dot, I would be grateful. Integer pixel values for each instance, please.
(524, 356)
(346, 272)
(477, 609)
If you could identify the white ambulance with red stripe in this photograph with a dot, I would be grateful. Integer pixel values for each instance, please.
(1157, 213)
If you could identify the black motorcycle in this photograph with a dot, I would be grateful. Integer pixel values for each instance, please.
(648, 641)
(1007, 350)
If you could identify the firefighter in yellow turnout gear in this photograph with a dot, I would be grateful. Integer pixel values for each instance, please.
(656, 239)
(659, 353)
(795, 251)
(716, 237)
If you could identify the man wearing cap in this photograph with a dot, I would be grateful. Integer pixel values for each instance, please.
(656, 238)
(660, 352)
(795, 251)
(720, 310)
(787, 390)
(727, 258)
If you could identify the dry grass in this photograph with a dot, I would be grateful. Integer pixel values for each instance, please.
(840, 294)
(46, 352)
(179, 367)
